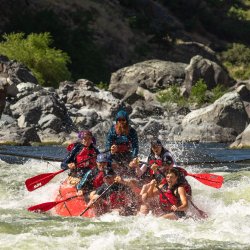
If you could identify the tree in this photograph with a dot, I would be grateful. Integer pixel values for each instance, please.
(49, 65)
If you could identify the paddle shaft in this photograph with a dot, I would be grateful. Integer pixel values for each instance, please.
(202, 213)
(101, 195)
(40, 180)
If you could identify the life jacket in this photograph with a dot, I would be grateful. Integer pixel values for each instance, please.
(70, 146)
(122, 142)
(98, 179)
(168, 198)
(85, 157)
(118, 199)
(183, 180)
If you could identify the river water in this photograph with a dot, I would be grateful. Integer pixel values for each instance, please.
(227, 227)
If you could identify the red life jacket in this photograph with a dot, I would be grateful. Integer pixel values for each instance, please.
(85, 158)
(118, 199)
(98, 180)
(171, 199)
(151, 162)
(70, 147)
(122, 147)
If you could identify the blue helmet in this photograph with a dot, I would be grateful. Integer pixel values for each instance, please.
(121, 114)
(102, 158)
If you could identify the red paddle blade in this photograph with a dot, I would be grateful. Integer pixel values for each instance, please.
(43, 207)
(40, 180)
(212, 180)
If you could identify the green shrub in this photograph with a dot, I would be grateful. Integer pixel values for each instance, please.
(171, 95)
(49, 65)
(198, 92)
(103, 85)
(237, 61)
(237, 13)
(218, 91)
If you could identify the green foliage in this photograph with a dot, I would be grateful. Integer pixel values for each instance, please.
(198, 92)
(103, 85)
(237, 60)
(49, 65)
(171, 95)
(238, 54)
(237, 13)
(217, 92)
(72, 34)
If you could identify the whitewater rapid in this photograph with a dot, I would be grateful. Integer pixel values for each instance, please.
(227, 227)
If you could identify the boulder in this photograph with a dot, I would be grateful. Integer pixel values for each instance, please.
(202, 68)
(242, 140)
(221, 121)
(150, 75)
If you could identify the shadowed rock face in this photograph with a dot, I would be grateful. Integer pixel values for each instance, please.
(212, 73)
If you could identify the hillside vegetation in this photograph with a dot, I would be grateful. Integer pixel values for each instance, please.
(102, 36)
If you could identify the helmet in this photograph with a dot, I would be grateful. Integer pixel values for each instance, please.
(84, 133)
(102, 158)
(121, 114)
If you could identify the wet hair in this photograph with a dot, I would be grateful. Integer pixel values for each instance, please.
(155, 142)
(174, 171)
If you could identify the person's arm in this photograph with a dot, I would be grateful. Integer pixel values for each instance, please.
(109, 139)
(94, 197)
(84, 180)
(141, 170)
(184, 201)
(134, 142)
(70, 157)
(152, 189)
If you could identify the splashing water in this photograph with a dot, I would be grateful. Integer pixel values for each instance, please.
(227, 227)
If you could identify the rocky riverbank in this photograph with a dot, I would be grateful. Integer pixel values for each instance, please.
(33, 114)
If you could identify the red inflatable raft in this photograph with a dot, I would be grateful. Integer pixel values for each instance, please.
(71, 207)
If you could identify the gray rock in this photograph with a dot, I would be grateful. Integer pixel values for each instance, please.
(221, 121)
(153, 74)
(209, 71)
(242, 140)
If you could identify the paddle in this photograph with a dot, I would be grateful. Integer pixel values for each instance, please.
(101, 195)
(40, 180)
(212, 180)
(202, 213)
(43, 207)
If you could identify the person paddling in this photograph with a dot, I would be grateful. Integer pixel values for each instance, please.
(159, 161)
(122, 140)
(81, 157)
(93, 179)
(119, 197)
(172, 196)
